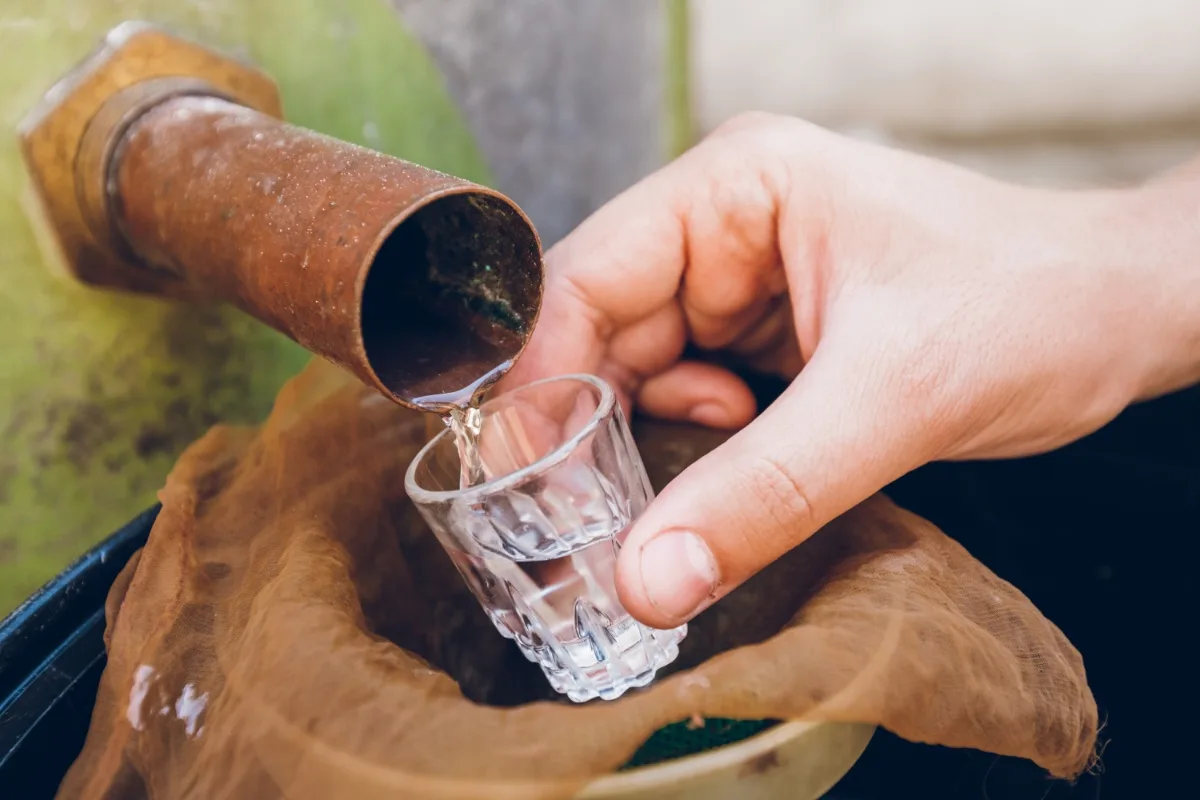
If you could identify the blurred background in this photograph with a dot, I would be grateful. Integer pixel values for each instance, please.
(1069, 92)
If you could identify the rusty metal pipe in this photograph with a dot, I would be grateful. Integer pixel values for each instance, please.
(162, 167)
(422, 284)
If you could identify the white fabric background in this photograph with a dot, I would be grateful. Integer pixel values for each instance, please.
(1060, 91)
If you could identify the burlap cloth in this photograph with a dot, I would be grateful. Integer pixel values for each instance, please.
(292, 630)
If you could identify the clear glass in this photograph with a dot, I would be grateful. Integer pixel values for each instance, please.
(537, 532)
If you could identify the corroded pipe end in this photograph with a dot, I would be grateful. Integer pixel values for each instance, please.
(450, 296)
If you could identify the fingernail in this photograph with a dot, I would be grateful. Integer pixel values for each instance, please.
(679, 573)
(714, 415)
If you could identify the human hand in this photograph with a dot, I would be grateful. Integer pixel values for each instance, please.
(924, 312)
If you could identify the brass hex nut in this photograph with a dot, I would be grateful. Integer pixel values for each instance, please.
(68, 138)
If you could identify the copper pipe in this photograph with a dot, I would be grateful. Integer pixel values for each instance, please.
(420, 283)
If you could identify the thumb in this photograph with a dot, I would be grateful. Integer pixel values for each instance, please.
(830, 441)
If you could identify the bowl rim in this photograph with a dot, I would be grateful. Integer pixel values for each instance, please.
(693, 766)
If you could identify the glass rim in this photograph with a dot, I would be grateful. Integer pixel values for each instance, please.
(422, 496)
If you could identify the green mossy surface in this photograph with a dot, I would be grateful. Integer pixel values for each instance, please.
(100, 392)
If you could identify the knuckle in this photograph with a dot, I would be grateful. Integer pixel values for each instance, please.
(771, 151)
(780, 497)
(743, 208)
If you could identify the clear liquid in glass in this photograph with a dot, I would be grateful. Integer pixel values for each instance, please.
(556, 597)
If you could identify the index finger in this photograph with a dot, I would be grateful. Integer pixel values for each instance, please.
(701, 233)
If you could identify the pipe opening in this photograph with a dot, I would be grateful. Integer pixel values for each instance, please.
(452, 294)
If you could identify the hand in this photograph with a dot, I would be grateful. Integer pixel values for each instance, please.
(924, 312)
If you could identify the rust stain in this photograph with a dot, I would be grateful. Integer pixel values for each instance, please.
(760, 765)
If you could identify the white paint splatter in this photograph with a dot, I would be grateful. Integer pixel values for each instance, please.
(137, 695)
(188, 709)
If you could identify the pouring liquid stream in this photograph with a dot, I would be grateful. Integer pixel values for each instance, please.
(465, 424)
(459, 409)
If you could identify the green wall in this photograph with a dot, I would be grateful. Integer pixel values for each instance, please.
(100, 392)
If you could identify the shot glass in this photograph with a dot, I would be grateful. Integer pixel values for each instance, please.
(535, 527)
